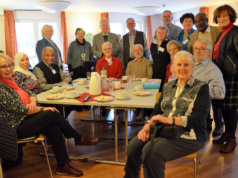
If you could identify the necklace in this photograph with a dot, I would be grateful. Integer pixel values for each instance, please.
(83, 54)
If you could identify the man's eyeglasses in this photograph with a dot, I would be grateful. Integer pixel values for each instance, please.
(200, 49)
(6, 66)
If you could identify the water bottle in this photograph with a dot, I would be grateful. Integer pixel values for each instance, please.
(103, 73)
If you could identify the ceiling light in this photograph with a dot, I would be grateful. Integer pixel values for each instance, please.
(147, 10)
(53, 6)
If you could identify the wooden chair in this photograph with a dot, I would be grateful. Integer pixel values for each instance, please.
(1, 175)
(39, 139)
(196, 159)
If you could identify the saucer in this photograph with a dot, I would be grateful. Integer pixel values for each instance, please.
(142, 93)
(55, 97)
(123, 98)
(103, 98)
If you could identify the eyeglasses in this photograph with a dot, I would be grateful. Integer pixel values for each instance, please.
(200, 49)
(6, 66)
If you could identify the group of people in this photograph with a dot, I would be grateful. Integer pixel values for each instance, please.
(189, 62)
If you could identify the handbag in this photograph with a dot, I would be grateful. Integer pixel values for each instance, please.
(166, 131)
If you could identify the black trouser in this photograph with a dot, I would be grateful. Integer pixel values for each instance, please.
(217, 115)
(230, 120)
(79, 72)
(163, 150)
(54, 126)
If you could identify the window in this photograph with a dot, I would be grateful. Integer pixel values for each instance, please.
(28, 31)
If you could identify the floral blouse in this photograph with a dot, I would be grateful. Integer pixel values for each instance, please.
(27, 82)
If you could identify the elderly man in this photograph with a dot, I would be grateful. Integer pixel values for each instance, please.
(49, 74)
(104, 36)
(204, 31)
(174, 30)
(207, 71)
(112, 64)
(131, 38)
(140, 67)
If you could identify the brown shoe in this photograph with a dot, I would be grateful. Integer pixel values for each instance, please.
(86, 140)
(222, 139)
(229, 146)
(69, 171)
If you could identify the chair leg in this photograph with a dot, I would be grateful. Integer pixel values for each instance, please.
(47, 159)
(197, 161)
(1, 174)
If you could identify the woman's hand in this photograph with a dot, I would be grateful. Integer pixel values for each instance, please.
(31, 106)
(51, 109)
(71, 73)
(144, 134)
(161, 119)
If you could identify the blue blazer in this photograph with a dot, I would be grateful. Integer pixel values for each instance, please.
(43, 43)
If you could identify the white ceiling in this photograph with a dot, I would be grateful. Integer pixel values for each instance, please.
(123, 6)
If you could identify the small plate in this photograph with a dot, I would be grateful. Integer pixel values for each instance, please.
(120, 98)
(103, 98)
(82, 83)
(142, 93)
(70, 87)
(68, 97)
(55, 97)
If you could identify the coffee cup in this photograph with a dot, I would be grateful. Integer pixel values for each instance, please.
(122, 95)
(55, 89)
(124, 77)
(117, 85)
(138, 88)
(143, 80)
(81, 81)
(71, 94)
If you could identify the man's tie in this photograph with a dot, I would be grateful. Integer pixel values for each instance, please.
(105, 38)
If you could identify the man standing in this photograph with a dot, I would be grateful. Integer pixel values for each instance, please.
(204, 31)
(131, 38)
(206, 71)
(47, 72)
(104, 36)
(140, 67)
(112, 64)
(174, 30)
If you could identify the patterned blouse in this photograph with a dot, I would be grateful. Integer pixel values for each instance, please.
(27, 82)
(12, 111)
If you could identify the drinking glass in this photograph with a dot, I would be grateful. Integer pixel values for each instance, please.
(88, 75)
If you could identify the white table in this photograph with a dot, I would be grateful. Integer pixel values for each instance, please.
(130, 104)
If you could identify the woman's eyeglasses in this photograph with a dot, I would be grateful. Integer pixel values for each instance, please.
(6, 66)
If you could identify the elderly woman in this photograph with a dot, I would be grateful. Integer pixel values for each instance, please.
(47, 32)
(23, 76)
(172, 47)
(226, 51)
(79, 56)
(184, 103)
(20, 112)
(187, 20)
(159, 53)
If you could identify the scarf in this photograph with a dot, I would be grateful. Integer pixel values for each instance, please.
(17, 67)
(180, 39)
(25, 99)
(225, 30)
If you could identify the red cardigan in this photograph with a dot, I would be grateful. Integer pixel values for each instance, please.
(115, 70)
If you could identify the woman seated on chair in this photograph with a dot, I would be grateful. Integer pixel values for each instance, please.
(184, 103)
(23, 76)
(19, 110)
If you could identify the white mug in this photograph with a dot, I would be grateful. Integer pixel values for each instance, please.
(71, 94)
(117, 84)
(138, 88)
(122, 95)
(55, 89)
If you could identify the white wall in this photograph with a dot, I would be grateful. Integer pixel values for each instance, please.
(2, 34)
(213, 8)
(88, 21)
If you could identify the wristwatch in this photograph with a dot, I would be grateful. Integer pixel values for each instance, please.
(173, 120)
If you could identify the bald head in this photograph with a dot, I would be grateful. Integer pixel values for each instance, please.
(201, 22)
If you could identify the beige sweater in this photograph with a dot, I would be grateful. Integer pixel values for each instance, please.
(140, 69)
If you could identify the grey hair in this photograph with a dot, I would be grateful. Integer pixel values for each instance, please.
(162, 28)
(139, 46)
(167, 11)
(204, 41)
(130, 18)
(43, 29)
(185, 56)
(104, 20)
(47, 48)
(174, 42)
(107, 43)
(4, 57)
